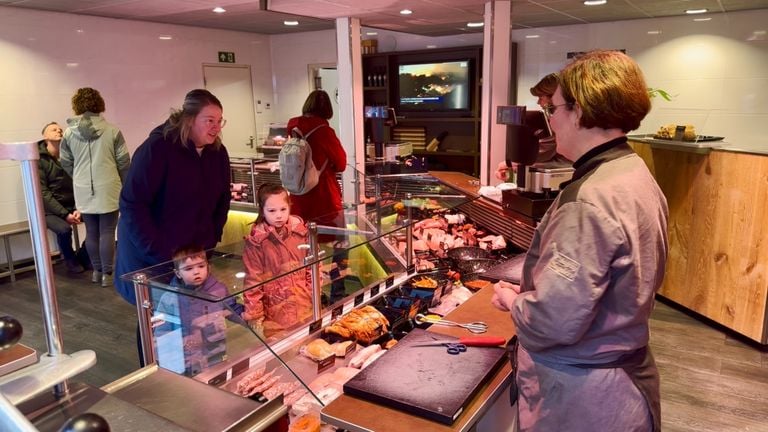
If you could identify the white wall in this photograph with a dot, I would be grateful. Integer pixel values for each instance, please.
(46, 56)
(291, 54)
(717, 70)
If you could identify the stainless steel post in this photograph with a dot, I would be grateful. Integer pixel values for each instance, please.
(314, 270)
(50, 306)
(408, 234)
(144, 312)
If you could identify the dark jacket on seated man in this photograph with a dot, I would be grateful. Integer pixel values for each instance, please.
(59, 202)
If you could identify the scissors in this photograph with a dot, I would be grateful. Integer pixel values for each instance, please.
(455, 347)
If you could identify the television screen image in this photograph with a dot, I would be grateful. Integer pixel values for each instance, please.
(440, 86)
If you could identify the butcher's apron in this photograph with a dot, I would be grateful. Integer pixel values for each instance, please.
(639, 366)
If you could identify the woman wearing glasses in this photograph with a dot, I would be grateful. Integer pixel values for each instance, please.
(595, 263)
(177, 190)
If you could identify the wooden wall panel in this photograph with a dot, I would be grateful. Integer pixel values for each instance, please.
(718, 234)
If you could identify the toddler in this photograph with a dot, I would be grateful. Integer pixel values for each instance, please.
(272, 248)
(202, 323)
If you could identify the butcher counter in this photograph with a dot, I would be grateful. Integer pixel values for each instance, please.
(718, 205)
(489, 410)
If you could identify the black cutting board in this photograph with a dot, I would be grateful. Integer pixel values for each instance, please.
(426, 381)
(508, 271)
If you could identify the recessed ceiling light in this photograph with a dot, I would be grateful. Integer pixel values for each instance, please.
(165, 37)
(695, 11)
(291, 23)
(703, 19)
(371, 33)
(406, 12)
(654, 32)
(431, 46)
(595, 2)
(219, 9)
(72, 65)
(80, 31)
(534, 36)
(475, 24)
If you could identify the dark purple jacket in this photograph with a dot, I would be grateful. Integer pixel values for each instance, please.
(172, 197)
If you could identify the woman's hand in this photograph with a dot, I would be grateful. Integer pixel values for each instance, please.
(502, 171)
(504, 294)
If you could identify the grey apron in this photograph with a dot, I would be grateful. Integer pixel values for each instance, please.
(639, 366)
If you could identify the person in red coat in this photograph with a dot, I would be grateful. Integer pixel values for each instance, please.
(323, 203)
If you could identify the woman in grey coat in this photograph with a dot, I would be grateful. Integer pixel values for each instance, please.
(93, 152)
(595, 263)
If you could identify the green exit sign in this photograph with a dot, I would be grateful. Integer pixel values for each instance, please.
(226, 57)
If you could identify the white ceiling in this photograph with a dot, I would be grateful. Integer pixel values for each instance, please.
(429, 18)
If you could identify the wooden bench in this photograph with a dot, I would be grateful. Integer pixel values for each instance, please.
(11, 229)
(6, 231)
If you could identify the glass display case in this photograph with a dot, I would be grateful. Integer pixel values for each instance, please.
(249, 332)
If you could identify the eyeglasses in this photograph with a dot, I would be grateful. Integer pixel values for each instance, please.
(210, 122)
(550, 109)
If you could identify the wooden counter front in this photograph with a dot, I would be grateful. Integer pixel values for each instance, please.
(359, 415)
(718, 232)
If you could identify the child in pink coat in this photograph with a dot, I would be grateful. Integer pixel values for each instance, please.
(273, 248)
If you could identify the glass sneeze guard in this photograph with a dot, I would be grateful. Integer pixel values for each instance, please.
(208, 332)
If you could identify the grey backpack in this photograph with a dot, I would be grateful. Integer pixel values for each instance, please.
(298, 172)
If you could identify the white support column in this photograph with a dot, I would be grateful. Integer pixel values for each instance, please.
(349, 66)
(497, 79)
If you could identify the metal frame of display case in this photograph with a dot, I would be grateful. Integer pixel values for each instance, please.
(55, 367)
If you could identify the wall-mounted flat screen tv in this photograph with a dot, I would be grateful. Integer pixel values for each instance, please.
(435, 86)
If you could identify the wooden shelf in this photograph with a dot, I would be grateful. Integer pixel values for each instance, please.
(460, 130)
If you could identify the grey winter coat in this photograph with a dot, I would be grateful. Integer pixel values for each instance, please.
(587, 291)
(93, 152)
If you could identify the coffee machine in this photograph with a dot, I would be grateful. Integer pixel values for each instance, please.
(537, 183)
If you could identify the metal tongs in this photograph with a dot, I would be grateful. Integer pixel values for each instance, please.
(474, 327)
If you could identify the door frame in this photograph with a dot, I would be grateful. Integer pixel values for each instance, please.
(250, 85)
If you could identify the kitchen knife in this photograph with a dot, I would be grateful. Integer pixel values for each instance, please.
(476, 341)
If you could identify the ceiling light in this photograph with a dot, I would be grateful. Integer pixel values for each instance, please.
(654, 32)
(80, 31)
(695, 11)
(475, 24)
(595, 2)
(165, 37)
(703, 19)
(406, 12)
(534, 36)
(291, 23)
(431, 46)
(371, 33)
(219, 9)
(72, 65)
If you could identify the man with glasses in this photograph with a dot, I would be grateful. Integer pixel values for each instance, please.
(543, 91)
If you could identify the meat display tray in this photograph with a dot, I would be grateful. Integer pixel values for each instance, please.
(508, 271)
(426, 381)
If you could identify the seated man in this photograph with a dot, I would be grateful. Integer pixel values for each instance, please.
(58, 196)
